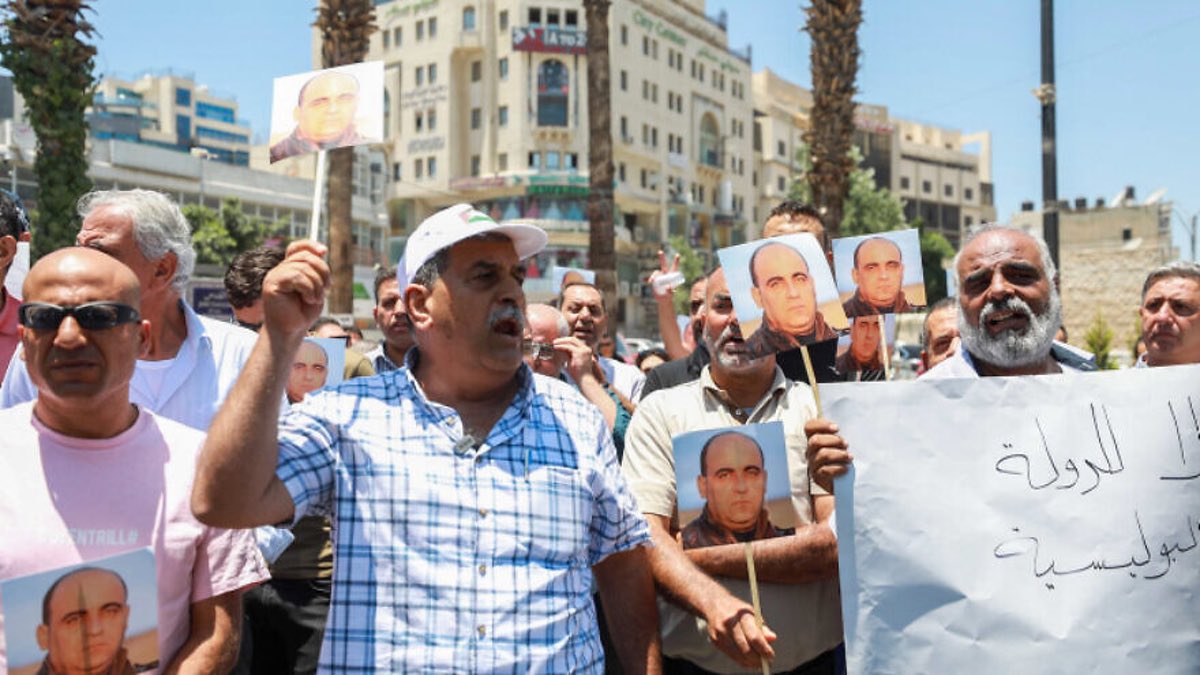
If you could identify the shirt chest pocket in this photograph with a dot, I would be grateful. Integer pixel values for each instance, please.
(543, 517)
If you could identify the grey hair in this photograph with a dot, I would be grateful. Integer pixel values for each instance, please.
(159, 227)
(1048, 267)
(1180, 269)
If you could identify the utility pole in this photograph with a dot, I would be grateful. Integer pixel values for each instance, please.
(1046, 95)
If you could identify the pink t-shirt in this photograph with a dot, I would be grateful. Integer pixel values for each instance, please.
(66, 500)
(8, 330)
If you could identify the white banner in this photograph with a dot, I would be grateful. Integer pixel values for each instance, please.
(1022, 525)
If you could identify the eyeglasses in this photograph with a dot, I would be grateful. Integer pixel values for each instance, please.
(90, 316)
(542, 351)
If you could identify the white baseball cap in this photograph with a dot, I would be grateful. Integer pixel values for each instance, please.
(454, 224)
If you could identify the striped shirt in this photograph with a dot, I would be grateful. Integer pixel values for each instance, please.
(453, 558)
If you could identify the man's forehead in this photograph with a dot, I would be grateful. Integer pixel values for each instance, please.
(728, 446)
(1176, 287)
(993, 248)
(781, 253)
(581, 293)
(884, 247)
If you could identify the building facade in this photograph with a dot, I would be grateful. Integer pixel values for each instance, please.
(487, 103)
(169, 110)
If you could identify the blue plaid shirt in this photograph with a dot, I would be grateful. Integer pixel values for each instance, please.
(451, 558)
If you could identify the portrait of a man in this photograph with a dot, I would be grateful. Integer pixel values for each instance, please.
(863, 361)
(329, 110)
(873, 276)
(310, 371)
(84, 616)
(733, 486)
(782, 286)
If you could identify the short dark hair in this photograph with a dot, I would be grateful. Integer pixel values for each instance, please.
(14, 221)
(876, 238)
(68, 575)
(723, 434)
(950, 302)
(325, 321)
(653, 351)
(754, 259)
(244, 277)
(382, 275)
(794, 208)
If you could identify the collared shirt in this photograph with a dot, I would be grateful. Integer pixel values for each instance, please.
(194, 385)
(381, 361)
(806, 617)
(962, 364)
(452, 557)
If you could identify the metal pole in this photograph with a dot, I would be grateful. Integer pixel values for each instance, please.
(1046, 95)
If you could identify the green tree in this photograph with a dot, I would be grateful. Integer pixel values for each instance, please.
(218, 236)
(1099, 341)
(44, 49)
(935, 249)
(691, 266)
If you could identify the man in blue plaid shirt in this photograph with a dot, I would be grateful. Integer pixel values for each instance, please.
(472, 501)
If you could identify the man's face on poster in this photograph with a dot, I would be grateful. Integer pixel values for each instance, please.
(864, 337)
(85, 622)
(327, 107)
(783, 289)
(310, 368)
(733, 482)
(878, 271)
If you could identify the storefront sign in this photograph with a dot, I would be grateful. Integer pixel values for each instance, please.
(658, 27)
(426, 144)
(723, 62)
(423, 97)
(549, 40)
(403, 9)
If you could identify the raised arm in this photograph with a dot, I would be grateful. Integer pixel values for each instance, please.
(665, 302)
(236, 485)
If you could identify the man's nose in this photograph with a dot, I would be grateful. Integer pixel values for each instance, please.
(69, 334)
(998, 286)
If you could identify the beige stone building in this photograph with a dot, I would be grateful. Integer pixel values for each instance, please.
(1105, 253)
(487, 103)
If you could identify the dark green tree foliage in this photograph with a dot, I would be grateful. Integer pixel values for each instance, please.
(1098, 341)
(44, 49)
(218, 236)
(691, 266)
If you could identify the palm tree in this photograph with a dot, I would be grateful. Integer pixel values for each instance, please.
(346, 27)
(52, 68)
(601, 252)
(833, 26)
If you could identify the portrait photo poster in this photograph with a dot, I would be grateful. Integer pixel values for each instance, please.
(770, 491)
(910, 281)
(21, 603)
(326, 129)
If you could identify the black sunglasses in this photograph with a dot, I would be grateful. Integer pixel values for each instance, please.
(90, 316)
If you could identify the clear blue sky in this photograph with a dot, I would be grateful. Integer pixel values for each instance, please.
(1127, 74)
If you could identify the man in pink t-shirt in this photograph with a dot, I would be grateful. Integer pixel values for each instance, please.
(14, 227)
(85, 474)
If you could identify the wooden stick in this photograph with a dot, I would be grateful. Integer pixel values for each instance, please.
(883, 350)
(812, 377)
(766, 667)
(318, 195)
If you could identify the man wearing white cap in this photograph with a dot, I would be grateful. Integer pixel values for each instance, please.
(472, 501)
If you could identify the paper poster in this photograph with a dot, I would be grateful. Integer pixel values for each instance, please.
(1021, 525)
(326, 109)
(783, 292)
(100, 616)
(732, 485)
(319, 363)
(565, 276)
(18, 269)
(860, 353)
(880, 273)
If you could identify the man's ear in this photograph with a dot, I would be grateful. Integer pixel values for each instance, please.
(8, 250)
(143, 338)
(43, 638)
(417, 303)
(164, 270)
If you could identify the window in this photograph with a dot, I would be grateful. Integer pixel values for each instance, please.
(432, 34)
(904, 182)
(474, 165)
(502, 162)
(476, 118)
(551, 17)
(645, 45)
(396, 35)
(420, 31)
(710, 139)
(502, 116)
(552, 161)
(535, 16)
(431, 164)
(572, 18)
(782, 183)
(419, 122)
(183, 127)
(1127, 234)
(624, 127)
(476, 71)
(432, 68)
(926, 186)
(653, 93)
(431, 117)
(643, 178)
(469, 20)
(503, 66)
(645, 90)
(535, 160)
(420, 76)
(654, 137)
(553, 84)
(624, 34)
(571, 161)
(624, 81)
(396, 174)
(387, 39)
(621, 172)
(967, 221)
(948, 190)
(183, 97)
(210, 111)
(418, 169)
(502, 19)
(968, 194)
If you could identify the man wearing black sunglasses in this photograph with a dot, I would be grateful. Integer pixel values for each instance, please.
(190, 362)
(93, 475)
